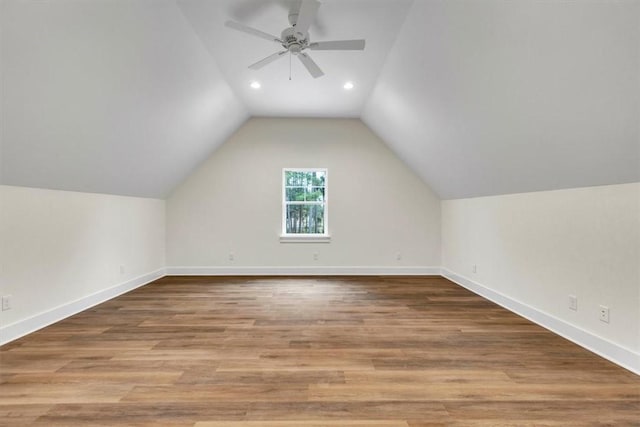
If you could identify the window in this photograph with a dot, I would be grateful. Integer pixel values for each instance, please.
(304, 204)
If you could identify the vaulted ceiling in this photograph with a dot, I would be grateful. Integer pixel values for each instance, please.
(479, 97)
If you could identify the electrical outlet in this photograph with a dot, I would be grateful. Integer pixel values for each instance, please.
(398, 256)
(231, 256)
(6, 302)
(474, 268)
(573, 302)
(122, 269)
(604, 314)
(316, 256)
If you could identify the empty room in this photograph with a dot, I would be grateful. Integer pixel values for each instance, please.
(321, 213)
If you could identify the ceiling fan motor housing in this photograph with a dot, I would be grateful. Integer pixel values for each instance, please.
(293, 41)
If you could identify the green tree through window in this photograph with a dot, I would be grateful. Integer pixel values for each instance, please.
(305, 201)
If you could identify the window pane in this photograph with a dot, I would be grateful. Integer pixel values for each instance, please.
(305, 179)
(294, 178)
(317, 179)
(295, 194)
(305, 219)
(291, 178)
(315, 194)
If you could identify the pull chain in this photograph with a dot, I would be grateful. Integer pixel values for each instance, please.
(289, 66)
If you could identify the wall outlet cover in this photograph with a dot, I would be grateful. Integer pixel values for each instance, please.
(6, 302)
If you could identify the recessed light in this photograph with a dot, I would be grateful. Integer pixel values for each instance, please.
(348, 86)
(256, 85)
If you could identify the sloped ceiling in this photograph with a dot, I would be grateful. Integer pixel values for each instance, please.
(479, 97)
(492, 97)
(108, 96)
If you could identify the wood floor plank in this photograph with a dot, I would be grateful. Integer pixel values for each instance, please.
(344, 411)
(231, 393)
(50, 393)
(21, 414)
(550, 412)
(316, 351)
(113, 377)
(247, 377)
(374, 391)
(141, 414)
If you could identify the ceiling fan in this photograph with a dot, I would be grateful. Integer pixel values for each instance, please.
(295, 39)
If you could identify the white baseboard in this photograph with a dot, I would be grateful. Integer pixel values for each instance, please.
(303, 271)
(617, 354)
(26, 326)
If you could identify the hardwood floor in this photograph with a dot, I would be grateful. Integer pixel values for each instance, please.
(286, 352)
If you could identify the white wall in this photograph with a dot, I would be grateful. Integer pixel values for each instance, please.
(232, 203)
(57, 247)
(538, 248)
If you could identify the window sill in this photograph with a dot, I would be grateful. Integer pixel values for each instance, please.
(304, 239)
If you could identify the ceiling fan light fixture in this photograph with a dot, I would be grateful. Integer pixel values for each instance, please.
(255, 85)
(348, 85)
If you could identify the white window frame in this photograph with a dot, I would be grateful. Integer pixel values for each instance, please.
(308, 237)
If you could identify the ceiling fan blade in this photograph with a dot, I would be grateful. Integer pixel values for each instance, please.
(338, 45)
(268, 60)
(310, 65)
(308, 11)
(252, 31)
